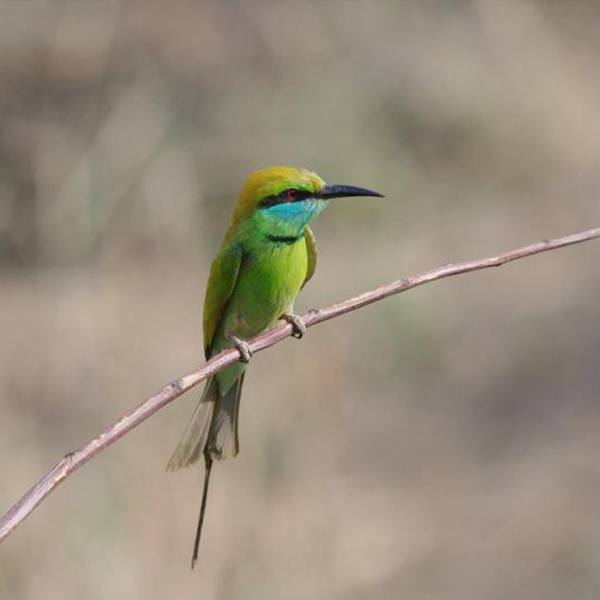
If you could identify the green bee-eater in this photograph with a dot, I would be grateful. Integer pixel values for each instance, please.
(267, 256)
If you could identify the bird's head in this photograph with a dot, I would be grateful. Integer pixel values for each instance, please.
(289, 196)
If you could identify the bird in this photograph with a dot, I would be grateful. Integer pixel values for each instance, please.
(268, 254)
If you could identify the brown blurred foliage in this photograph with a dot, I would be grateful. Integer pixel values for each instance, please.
(443, 444)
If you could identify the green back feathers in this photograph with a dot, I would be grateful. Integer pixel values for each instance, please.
(221, 283)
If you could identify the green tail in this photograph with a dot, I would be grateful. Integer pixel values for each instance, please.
(223, 440)
(213, 428)
(212, 433)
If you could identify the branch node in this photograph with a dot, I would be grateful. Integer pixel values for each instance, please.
(312, 314)
(176, 386)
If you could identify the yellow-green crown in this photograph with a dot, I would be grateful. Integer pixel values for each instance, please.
(270, 182)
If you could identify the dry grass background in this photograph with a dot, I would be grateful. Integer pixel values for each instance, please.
(440, 445)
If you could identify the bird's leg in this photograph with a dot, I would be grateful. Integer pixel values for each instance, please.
(297, 323)
(242, 347)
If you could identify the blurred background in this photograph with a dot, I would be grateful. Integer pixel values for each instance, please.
(442, 444)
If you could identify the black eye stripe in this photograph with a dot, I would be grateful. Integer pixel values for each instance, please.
(282, 197)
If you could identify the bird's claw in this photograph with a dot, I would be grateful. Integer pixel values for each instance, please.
(297, 323)
(242, 347)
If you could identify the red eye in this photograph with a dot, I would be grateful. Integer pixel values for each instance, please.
(291, 195)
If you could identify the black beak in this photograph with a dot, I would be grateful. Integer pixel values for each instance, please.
(345, 191)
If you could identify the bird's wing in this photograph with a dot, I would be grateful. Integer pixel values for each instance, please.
(221, 283)
(311, 250)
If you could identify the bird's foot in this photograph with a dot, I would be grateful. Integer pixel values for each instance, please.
(242, 347)
(297, 323)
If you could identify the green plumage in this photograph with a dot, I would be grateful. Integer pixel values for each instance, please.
(267, 256)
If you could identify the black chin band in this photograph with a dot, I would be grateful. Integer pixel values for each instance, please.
(284, 239)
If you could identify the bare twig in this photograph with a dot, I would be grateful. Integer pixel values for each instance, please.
(125, 424)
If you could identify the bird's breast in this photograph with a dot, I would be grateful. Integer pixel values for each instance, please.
(269, 281)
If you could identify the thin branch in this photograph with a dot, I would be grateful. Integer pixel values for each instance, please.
(73, 460)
